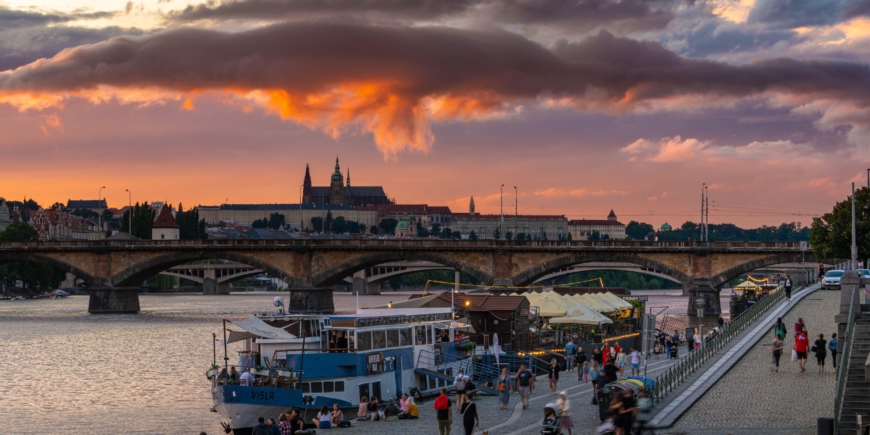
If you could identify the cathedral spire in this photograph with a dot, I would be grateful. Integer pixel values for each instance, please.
(307, 180)
(471, 206)
(348, 177)
(337, 168)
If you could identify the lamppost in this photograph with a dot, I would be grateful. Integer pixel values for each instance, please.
(130, 205)
(516, 212)
(501, 208)
(99, 202)
(301, 220)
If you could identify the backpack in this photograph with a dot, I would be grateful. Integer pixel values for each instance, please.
(461, 382)
(345, 423)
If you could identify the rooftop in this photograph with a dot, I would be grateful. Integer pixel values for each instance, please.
(595, 222)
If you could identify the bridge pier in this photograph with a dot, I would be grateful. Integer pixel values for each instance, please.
(110, 300)
(360, 286)
(703, 295)
(308, 300)
(211, 286)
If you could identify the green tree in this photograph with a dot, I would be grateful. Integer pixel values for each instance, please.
(605, 237)
(446, 233)
(328, 221)
(639, 230)
(19, 232)
(497, 233)
(422, 232)
(436, 229)
(33, 275)
(456, 235)
(521, 237)
(373, 229)
(339, 225)
(28, 204)
(260, 223)
(85, 213)
(595, 236)
(107, 215)
(143, 219)
(276, 221)
(354, 227)
(317, 224)
(472, 236)
(508, 236)
(388, 225)
(831, 234)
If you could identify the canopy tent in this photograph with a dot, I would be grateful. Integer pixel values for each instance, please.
(596, 303)
(581, 310)
(582, 318)
(747, 285)
(616, 300)
(549, 308)
(600, 296)
(256, 328)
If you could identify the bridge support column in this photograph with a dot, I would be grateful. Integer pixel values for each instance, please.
(109, 300)
(209, 286)
(360, 286)
(703, 295)
(307, 300)
(373, 288)
(223, 288)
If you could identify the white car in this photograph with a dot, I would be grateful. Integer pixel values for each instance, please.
(832, 279)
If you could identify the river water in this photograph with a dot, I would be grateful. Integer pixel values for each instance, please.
(66, 371)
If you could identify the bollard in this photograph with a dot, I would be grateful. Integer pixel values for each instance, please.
(825, 426)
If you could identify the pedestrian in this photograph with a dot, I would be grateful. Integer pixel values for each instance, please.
(669, 341)
(620, 363)
(779, 329)
(605, 354)
(598, 356)
(697, 340)
(832, 346)
(800, 326)
(821, 272)
(801, 345)
(585, 372)
(635, 362)
(525, 384)
(554, 370)
(627, 412)
(504, 388)
(600, 382)
(581, 363)
(273, 427)
(460, 382)
(593, 377)
(261, 428)
(570, 350)
(611, 371)
(564, 405)
(443, 413)
(469, 413)
(788, 287)
(721, 323)
(776, 352)
(821, 351)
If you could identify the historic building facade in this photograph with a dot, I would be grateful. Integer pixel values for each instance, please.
(340, 193)
(583, 228)
(536, 227)
(5, 216)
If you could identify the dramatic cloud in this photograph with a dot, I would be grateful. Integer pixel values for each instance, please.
(394, 81)
(677, 149)
(797, 13)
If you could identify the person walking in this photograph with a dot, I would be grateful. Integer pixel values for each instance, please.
(581, 363)
(788, 287)
(570, 351)
(261, 428)
(468, 410)
(820, 348)
(593, 377)
(564, 405)
(597, 356)
(620, 363)
(800, 326)
(504, 388)
(460, 382)
(775, 352)
(832, 346)
(779, 329)
(553, 377)
(443, 413)
(697, 340)
(525, 384)
(821, 272)
(801, 345)
(635, 362)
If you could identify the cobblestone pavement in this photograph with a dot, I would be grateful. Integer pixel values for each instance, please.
(750, 399)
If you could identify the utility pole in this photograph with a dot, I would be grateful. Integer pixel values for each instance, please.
(701, 225)
(501, 210)
(707, 215)
(516, 211)
(130, 204)
(99, 202)
(854, 244)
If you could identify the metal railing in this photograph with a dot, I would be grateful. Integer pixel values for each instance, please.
(668, 381)
(845, 354)
(479, 372)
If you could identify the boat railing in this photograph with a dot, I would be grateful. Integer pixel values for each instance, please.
(268, 377)
(482, 369)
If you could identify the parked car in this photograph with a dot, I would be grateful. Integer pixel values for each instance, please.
(865, 273)
(832, 279)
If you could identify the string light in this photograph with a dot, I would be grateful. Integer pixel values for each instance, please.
(620, 337)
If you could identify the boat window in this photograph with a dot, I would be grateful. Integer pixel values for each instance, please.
(351, 339)
(339, 386)
(328, 387)
(405, 337)
(379, 340)
(316, 387)
(305, 387)
(365, 340)
(420, 334)
(392, 338)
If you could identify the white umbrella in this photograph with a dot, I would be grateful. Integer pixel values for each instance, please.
(495, 346)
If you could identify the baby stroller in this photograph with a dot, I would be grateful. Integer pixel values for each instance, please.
(552, 423)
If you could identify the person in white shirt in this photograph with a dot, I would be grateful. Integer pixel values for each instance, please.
(564, 405)
(246, 379)
(460, 382)
(635, 362)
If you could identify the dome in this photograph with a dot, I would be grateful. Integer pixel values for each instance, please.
(666, 227)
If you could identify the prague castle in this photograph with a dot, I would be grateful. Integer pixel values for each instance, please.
(340, 193)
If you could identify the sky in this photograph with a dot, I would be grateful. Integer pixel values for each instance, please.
(583, 105)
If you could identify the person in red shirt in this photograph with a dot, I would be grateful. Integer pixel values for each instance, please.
(801, 346)
(443, 413)
(617, 348)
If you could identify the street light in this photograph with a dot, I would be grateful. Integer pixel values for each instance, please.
(516, 212)
(130, 204)
(301, 221)
(99, 199)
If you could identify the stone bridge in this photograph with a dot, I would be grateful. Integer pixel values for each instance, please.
(112, 268)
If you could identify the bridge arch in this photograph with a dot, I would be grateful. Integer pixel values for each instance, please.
(532, 274)
(770, 260)
(6, 258)
(640, 270)
(335, 274)
(135, 274)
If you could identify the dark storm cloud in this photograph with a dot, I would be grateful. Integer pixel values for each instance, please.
(857, 8)
(565, 15)
(798, 13)
(11, 19)
(716, 36)
(417, 62)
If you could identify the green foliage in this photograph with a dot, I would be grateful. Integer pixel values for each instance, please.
(521, 237)
(19, 232)
(497, 233)
(192, 227)
(143, 218)
(508, 236)
(28, 204)
(472, 236)
(107, 215)
(85, 213)
(329, 220)
(339, 225)
(276, 221)
(260, 223)
(163, 282)
(435, 230)
(618, 278)
(446, 233)
(388, 225)
(373, 229)
(419, 279)
(831, 235)
(422, 232)
(639, 230)
(317, 224)
(595, 236)
(456, 235)
(786, 232)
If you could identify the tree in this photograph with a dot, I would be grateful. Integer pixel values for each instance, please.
(543, 235)
(831, 234)
(339, 225)
(28, 204)
(472, 236)
(521, 237)
(85, 213)
(508, 236)
(436, 229)
(260, 223)
(497, 233)
(143, 218)
(595, 236)
(107, 215)
(605, 237)
(354, 227)
(422, 232)
(446, 233)
(192, 227)
(373, 229)
(456, 235)
(639, 230)
(317, 224)
(276, 221)
(329, 220)
(388, 225)
(34, 275)
(19, 232)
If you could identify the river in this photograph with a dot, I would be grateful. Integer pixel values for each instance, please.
(66, 371)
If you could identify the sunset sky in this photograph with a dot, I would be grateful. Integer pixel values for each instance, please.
(584, 105)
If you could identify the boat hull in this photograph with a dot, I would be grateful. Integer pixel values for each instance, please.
(241, 406)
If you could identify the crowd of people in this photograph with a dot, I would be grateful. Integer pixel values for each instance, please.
(802, 347)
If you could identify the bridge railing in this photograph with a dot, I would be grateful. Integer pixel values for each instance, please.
(845, 350)
(668, 381)
(411, 243)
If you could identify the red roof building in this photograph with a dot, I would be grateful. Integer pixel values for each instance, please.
(165, 227)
